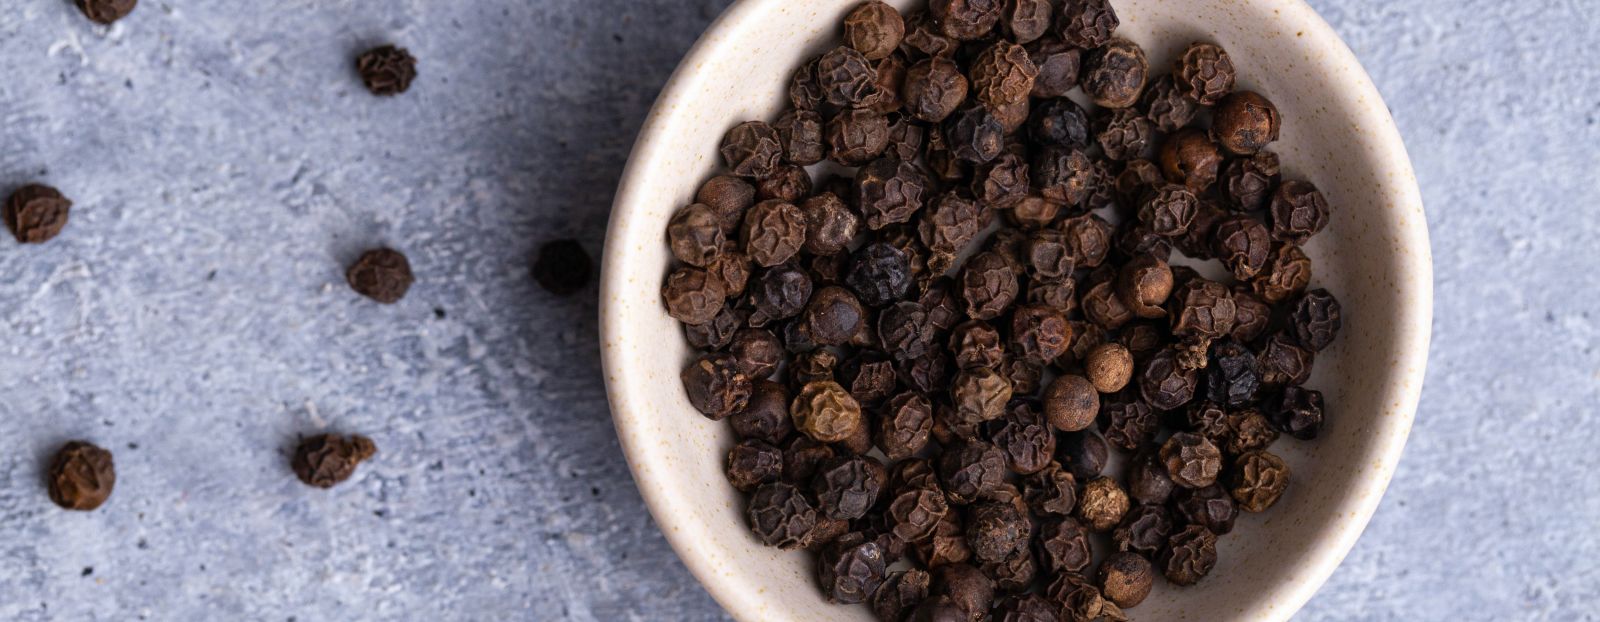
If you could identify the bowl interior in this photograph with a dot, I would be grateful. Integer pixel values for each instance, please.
(1373, 257)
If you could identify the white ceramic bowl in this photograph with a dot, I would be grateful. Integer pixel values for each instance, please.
(1374, 256)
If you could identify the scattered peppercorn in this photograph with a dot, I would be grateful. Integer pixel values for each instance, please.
(106, 11)
(36, 213)
(383, 275)
(385, 70)
(324, 460)
(82, 476)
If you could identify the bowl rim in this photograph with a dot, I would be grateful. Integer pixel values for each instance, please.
(1359, 503)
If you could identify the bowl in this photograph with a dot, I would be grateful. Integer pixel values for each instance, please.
(1374, 256)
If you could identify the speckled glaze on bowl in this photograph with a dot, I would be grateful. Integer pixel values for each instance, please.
(1374, 257)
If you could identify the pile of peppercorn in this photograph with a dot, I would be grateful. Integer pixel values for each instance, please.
(912, 382)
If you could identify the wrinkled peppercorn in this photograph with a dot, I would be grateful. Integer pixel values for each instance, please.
(752, 149)
(973, 134)
(1061, 175)
(1040, 333)
(1315, 319)
(804, 91)
(1190, 158)
(1234, 374)
(907, 137)
(890, 191)
(1104, 307)
(927, 373)
(847, 486)
(695, 235)
(830, 224)
(728, 197)
(980, 394)
(1245, 123)
(1059, 122)
(988, 286)
(1298, 413)
(855, 137)
(82, 475)
(1248, 183)
(996, 531)
(874, 29)
(1114, 76)
(385, 70)
(1081, 600)
(1164, 384)
(1058, 64)
(904, 330)
(717, 333)
(903, 425)
(1144, 530)
(1148, 481)
(1127, 422)
(1283, 362)
(1063, 545)
(384, 275)
(1022, 435)
(765, 416)
(1243, 244)
(948, 227)
(846, 78)
(1192, 461)
(1143, 284)
(1286, 274)
(1298, 212)
(966, 20)
(900, 593)
(756, 352)
(1126, 578)
(715, 385)
(934, 88)
(752, 463)
(36, 213)
(322, 461)
(1102, 504)
(1248, 430)
(1003, 74)
(1001, 184)
(800, 132)
(802, 456)
(826, 412)
(1167, 106)
(891, 72)
(1202, 308)
(1087, 24)
(1170, 211)
(970, 470)
(1124, 134)
(1205, 72)
(851, 569)
(1052, 490)
(1208, 507)
(833, 316)
(879, 273)
(1258, 479)
(1190, 555)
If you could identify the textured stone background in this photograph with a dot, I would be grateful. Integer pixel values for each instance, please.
(226, 165)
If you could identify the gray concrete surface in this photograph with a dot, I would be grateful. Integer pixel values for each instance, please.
(226, 164)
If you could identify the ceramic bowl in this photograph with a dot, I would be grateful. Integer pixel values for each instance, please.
(1374, 256)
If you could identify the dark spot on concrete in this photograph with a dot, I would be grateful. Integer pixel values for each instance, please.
(439, 312)
(594, 492)
(143, 544)
(88, 570)
(616, 37)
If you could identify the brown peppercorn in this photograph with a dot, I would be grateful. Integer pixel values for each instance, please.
(801, 457)
(924, 38)
(824, 411)
(833, 316)
(901, 592)
(1023, 436)
(976, 344)
(847, 486)
(1243, 244)
(780, 515)
(996, 531)
(1063, 546)
(1071, 403)
(1124, 134)
(752, 463)
(1003, 74)
(1205, 73)
(1012, 117)
(1001, 184)
(1059, 122)
(1084, 453)
(804, 92)
(1248, 183)
(757, 352)
(321, 461)
(874, 29)
(695, 235)
(1192, 461)
(1245, 123)
(927, 373)
(1190, 158)
(82, 476)
(1027, 608)
(1026, 20)
(1126, 578)
(947, 227)
(1058, 64)
(1109, 367)
(988, 286)
(765, 416)
(907, 138)
(752, 149)
(1189, 556)
(904, 330)
(1284, 362)
(1148, 481)
(1127, 422)
(1208, 507)
(1081, 600)
(916, 511)
(1060, 294)
(890, 191)
(971, 470)
(728, 197)
(1102, 306)
(36, 213)
(1248, 430)
(384, 275)
(847, 78)
(1144, 285)
(1114, 76)
(1168, 107)
(1196, 242)
(106, 11)
(830, 224)
(1203, 308)
(980, 394)
(1040, 333)
(1253, 315)
(1286, 274)
(891, 72)
(1259, 479)
(716, 334)
(1315, 319)
(966, 20)
(773, 233)
(1298, 413)
(1144, 530)
(385, 70)
(973, 134)
(903, 425)
(780, 292)
(1052, 490)
(934, 88)
(1102, 504)
(800, 132)
(1164, 384)
(1087, 24)
(1298, 212)
(1170, 211)
(1061, 175)
(715, 386)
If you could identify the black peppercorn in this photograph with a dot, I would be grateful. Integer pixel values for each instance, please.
(879, 273)
(756, 352)
(966, 20)
(1190, 158)
(1003, 74)
(1315, 319)
(1058, 64)
(974, 134)
(1167, 106)
(1286, 274)
(1114, 76)
(1127, 422)
(971, 470)
(1144, 530)
(800, 132)
(385, 70)
(1298, 413)
(933, 89)
(1189, 556)
(846, 77)
(1298, 212)
(384, 275)
(765, 416)
(82, 475)
(1192, 461)
(780, 515)
(695, 235)
(752, 149)
(36, 213)
(1022, 435)
(900, 593)
(322, 461)
(1087, 24)
(1245, 123)
(1208, 507)
(890, 191)
(1205, 73)
(752, 463)
(728, 197)
(874, 29)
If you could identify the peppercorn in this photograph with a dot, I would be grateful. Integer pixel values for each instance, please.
(900, 593)
(1190, 158)
(980, 394)
(1123, 134)
(1084, 453)
(800, 132)
(1000, 184)
(1170, 211)
(1234, 374)
(1164, 384)
(780, 292)
(1143, 284)
(695, 235)
(752, 149)
(1145, 338)
(36, 213)
(717, 333)
(1248, 430)
(846, 77)
(1104, 307)
(1148, 481)
(385, 70)
(891, 72)
(1248, 183)
(1253, 315)
(966, 20)
(1059, 122)
(1197, 241)
(933, 89)
(996, 530)
(1109, 367)
(1144, 530)
(1126, 578)
(988, 286)
(1058, 64)
(1315, 319)
(82, 475)
(1062, 175)
(1283, 362)
(1003, 74)
(874, 29)
(1071, 403)
(1102, 504)
(752, 463)
(1245, 123)
(970, 470)
(1022, 435)
(756, 352)
(1063, 545)
(1051, 490)
(856, 136)
(1209, 507)
(1242, 243)
(802, 456)
(1259, 479)
(765, 416)
(1189, 556)
(907, 137)
(890, 191)
(925, 38)
(728, 197)
(106, 11)
(1027, 608)
(384, 275)
(850, 569)
(1167, 106)
(1114, 76)
(1087, 24)
(1298, 413)
(322, 461)
(1127, 422)
(1192, 461)
(804, 91)
(826, 412)
(1205, 72)
(927, 373)
(847, 486)
(1286, 274)
(1202, 308)
(948, 227)
(1298, 212)
(1081, 600)
(830, 225)
(973, 134)
(904, 330)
